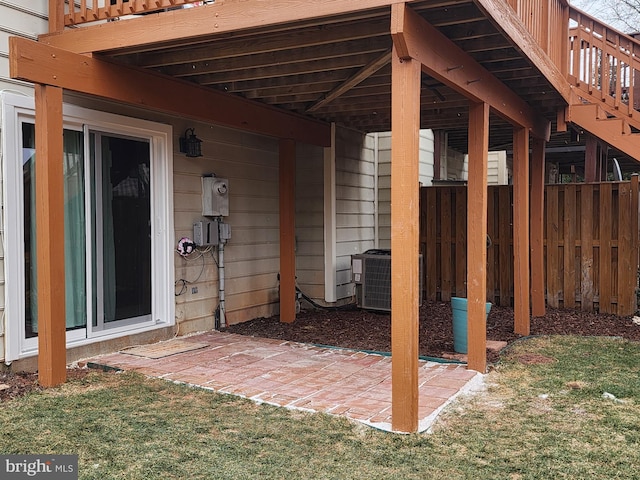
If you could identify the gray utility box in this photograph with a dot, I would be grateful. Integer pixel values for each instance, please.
(371, 273)
(215, 197)
(205, 233)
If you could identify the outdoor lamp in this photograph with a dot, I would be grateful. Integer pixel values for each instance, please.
(190, 144)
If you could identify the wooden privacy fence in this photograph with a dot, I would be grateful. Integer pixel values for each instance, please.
(591, 245)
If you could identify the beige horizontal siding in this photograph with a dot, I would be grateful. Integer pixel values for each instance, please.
(252, 256)
(310, 220)
(384, 179)
(355, 203)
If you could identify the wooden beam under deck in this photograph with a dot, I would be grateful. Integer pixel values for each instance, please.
(344, 87)
(49, 184)
(405, 219)
(204, 21)
(34, 62)
(446, 62)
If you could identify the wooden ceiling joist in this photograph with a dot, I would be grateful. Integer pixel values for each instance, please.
(292, 55)
(328, 36)
(284, 70)
(440, 58)
(34, 62)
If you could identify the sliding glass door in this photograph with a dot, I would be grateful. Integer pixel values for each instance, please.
(118, 225)
(121, 230)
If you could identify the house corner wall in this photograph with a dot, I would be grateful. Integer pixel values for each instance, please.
(26, 19)
(310, 220)
(426, 173)
(2, 270)
(355, 198)
(498, 171)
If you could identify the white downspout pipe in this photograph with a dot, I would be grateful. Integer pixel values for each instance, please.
(221, 307)
(376, 168)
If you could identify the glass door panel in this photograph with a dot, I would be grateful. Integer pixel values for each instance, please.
(74, 230)
(121, 230)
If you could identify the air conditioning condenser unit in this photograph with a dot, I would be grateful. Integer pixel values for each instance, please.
(371, 273)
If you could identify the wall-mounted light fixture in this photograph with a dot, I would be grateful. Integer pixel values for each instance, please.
(190, 144)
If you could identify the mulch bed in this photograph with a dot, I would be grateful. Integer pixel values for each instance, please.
(367, 330)
(18, 384)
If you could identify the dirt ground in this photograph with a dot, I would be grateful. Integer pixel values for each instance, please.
(368, 330)
(14, 385)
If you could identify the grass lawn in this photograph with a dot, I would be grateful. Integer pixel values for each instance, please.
(543, 416)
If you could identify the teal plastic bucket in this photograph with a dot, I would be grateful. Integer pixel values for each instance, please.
(459, 306)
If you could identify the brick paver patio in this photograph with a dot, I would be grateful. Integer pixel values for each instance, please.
(353, 384)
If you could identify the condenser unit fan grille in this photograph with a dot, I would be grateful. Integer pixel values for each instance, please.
(377, 288)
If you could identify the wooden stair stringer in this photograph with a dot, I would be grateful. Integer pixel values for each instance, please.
(615, 131)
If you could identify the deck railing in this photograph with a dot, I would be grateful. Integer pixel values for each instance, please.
(84, 11)
(547, 21)
(604, 64)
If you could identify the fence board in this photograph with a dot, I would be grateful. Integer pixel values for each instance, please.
(591, 245)
(551, 212)
(635, 240)
(445, 245)
(569, 247)
(605, 247)
(430, 234)
(491, 257)
(626, 274)
(586, 250)
(505, 236)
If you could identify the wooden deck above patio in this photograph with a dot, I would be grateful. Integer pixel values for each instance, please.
(330, 60)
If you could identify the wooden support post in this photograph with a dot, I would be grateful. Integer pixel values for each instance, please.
(49, 184)
(477, 236)
(591, 159)
(602, 161)
(405, 219)
(537, 227)
(287, 177)
(521, 230)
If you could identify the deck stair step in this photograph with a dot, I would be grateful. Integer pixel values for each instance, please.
(609, 127)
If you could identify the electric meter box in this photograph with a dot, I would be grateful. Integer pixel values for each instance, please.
(215, 197)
